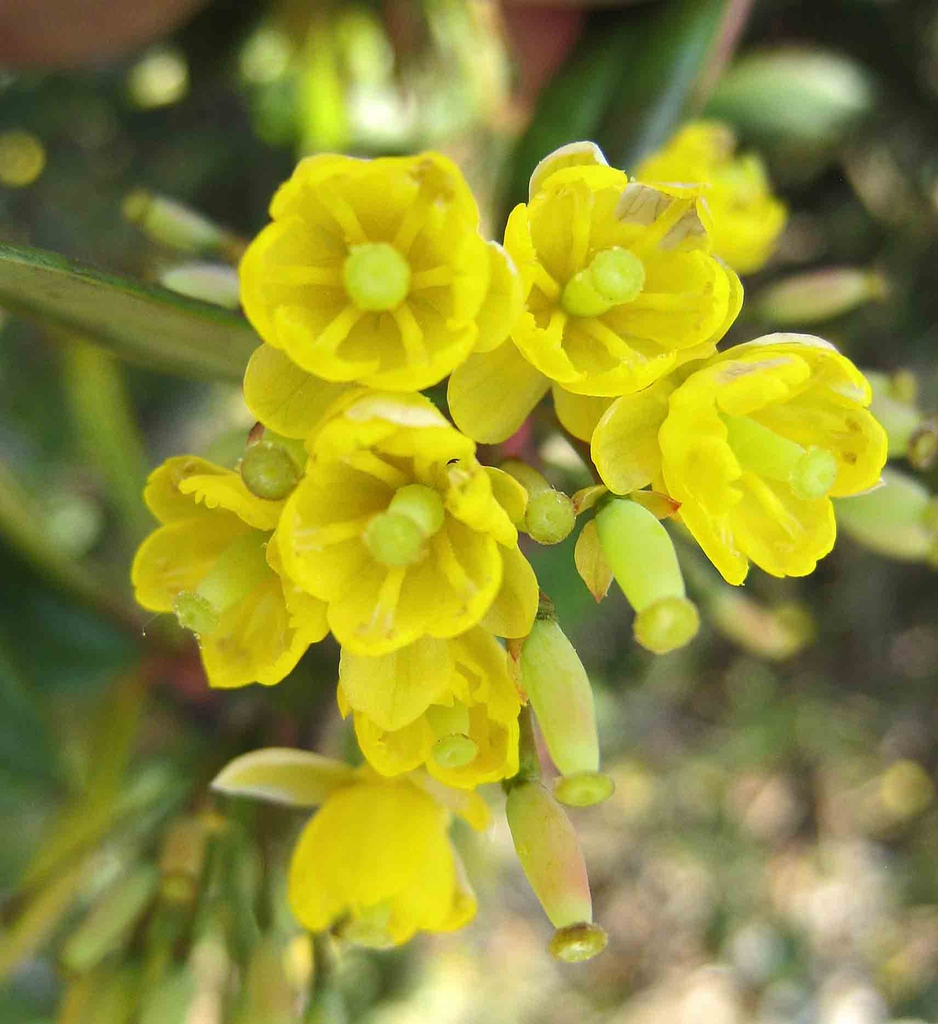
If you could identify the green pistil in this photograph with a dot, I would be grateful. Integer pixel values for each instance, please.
(453, 748)
(614, 276)
(376, 276)
(811, 473)
(455, 751)
(239, 569)
(268, 471)
(397, 537)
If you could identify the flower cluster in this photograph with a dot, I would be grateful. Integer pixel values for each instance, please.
(361, 510)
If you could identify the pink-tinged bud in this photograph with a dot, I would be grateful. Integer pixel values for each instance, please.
(819, 295)
(559, 690)
(642, 558)
(550, 854)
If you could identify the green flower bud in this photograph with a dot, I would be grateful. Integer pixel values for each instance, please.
(269, 471)
(550, 514)
(896, 519)
(211, 282)
(894, 405)
(559, 690)
(819, 295)
(550, 854)
(643, 560)
(170, 223)
(578, 942)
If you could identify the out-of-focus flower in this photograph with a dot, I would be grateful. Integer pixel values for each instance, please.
(619, 287)
(753, 444)
(449, 705)
(211, 564)
(747, 217)
(401, 531)
(374, 271)
(375, 859)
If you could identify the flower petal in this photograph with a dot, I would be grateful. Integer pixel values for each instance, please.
(493, 393)
(513, 610)
(179, 555)
(394, 689)
(281, 775)
(283, 397)
(625, 446)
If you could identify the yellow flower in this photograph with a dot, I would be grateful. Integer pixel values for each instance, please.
(210, 563)
(619, 287)
(747, 218)
(375, 860)
(753, 444)
(450, 705)
(374, 271)
(401, 531)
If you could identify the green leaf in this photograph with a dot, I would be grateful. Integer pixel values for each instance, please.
(139, 322)
(671, 52)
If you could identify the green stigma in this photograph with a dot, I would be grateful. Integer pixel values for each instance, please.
(549, 517)
(194, 612)
(240, 568)
(376, 276)
(583, 789)
(667, 624)
(397, 537)
(394, 540)
(577, 942)
(268, 471)
(614, 276)
(455, 751)
(814, 474)
(810, 472)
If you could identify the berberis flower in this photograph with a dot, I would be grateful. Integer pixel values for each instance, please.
(401, 531)
(753, 444)
(747, 217)
(374, 271)
(211, 564)
(375, 860)
(619, 287)
(449, 705)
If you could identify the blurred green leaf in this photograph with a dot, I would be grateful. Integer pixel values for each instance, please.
(143, 323)
(573, 103)
(667, 59)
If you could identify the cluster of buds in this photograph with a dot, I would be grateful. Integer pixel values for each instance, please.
(359, 509)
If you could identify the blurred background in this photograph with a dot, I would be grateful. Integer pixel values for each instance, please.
(771, 852)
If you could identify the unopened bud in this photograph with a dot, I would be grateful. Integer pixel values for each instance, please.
(820, 295)
(895, 519)
(269, 470)
(894, 405)
(644, 563)
(559, 690)
(578, 942)
(211, 282)
(173, 224)
(550, 514)
(923, 445)
(774, 633)
(550, 854)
